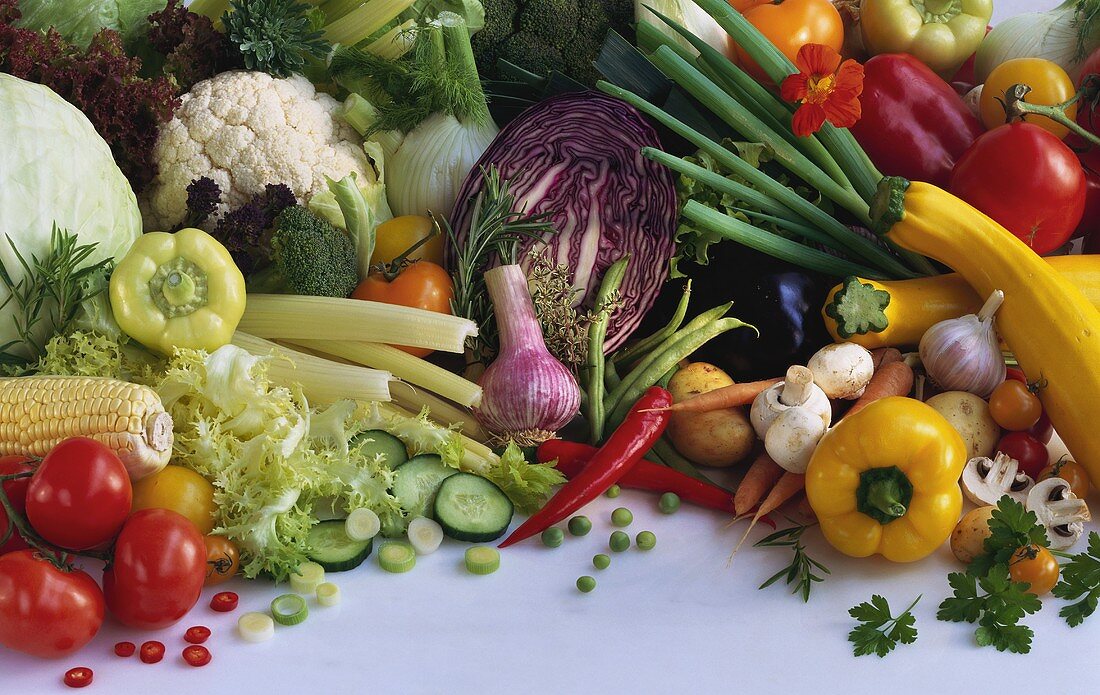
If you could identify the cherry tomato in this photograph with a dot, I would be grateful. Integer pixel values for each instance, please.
(1029, 451)
(1071, 472)
(1027, 180)
(16, 491)
(421, 285)
(151, 652)
(80, 495)
(197, 634)
(158, 570)
(1014, 406)
(790, 25)
(1049, 84)
(196, 655)
(1087, 114)
(223, 559)
(78, 677)
(224, 602)
(125, 649)
(180, 489)
(1042, 430)
(45, 611)
(1036, 566)
(394, 237)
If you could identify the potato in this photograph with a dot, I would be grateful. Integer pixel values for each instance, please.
(968, 538)
(970, 417)
(719, 438)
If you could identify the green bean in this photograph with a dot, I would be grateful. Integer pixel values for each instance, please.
(611, 377)
(672, 458)
(597, 332)
(643, 346)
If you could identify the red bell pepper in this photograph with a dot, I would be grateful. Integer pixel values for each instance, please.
(913, 123)
(643, 426)
(572, 457)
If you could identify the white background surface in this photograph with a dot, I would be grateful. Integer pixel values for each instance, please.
(673, 620)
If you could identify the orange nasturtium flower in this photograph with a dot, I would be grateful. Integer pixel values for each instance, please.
(825, 89)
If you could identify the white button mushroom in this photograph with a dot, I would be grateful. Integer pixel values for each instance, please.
(798, 411)
(1059, 510)
(985, 481)
(842, 370)
(793, 437)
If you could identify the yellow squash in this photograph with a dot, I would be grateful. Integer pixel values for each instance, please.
(885, 481)
(1050, 325)
(910, 307)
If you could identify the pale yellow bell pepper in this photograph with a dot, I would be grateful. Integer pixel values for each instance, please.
(178, 290)
(942, 34)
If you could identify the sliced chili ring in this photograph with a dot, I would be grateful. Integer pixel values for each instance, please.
(197, 634)
(224, 602)
(152, 652)
(125, 649)
(196, 655)
(78, 677)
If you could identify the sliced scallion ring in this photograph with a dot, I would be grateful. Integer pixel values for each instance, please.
(396, 557)
(362, 524)
(425, 535)
(289, 609)
(256, 627)
(482, 559)
(306, 579)
(328, 594)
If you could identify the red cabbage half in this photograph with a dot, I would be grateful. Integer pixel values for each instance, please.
(578, 156)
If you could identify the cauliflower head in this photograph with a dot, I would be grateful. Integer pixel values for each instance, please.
(245, 130)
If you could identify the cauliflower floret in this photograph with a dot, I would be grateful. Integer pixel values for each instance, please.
(245, 130)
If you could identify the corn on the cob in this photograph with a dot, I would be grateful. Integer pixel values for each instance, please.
(38, 412)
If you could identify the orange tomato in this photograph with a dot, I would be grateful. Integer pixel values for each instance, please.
(790, 25)
(422, 285)
(1036, 566)
(223, 559)
(1071, 472)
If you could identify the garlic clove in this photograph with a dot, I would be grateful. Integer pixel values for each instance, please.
(964, 354)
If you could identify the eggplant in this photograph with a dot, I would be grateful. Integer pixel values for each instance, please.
(781, 300)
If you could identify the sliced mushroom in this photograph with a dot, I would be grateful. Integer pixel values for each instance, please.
(985, 481)
(1059, 510)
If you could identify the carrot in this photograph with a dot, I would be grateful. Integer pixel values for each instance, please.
(884, 356)
(788, 485)
(761, 475)
(894, 379)
(730, 396)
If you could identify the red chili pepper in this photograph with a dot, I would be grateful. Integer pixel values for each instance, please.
(913, 124)
(643, 426)
(125, 649)
(79, 677)
(573, 457)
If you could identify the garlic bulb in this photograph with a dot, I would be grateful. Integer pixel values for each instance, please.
(964, 354)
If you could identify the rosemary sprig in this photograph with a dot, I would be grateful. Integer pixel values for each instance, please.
(51, 288)
(800, 572)
(496, 229)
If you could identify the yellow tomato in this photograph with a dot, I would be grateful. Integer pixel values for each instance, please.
(395, 237)
(790, 25)
(180, 489)
(1049, 84)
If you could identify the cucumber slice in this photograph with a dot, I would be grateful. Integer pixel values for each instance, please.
(332, 549)
(470, 508)
(379, 442)
(417, 480)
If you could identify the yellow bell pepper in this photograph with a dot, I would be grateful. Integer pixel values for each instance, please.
(942, 34)
(886, 481)
(178, 290)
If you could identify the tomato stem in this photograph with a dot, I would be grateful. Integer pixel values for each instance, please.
(1016, 108)
(391, 270)
(15, 476)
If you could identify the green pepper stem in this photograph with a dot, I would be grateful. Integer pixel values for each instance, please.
(179, 288)
(885, 497)
(884, 493)
(1016, 108)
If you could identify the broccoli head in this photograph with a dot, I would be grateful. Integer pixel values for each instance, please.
(313, 257)
(549, 35)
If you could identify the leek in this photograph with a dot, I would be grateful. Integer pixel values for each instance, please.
(1065, 35)
(290, 317)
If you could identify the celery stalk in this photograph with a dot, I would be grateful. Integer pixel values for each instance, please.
(394, 43)
(362, 22)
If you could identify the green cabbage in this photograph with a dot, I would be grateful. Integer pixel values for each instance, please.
(79, 20)
(55, 169)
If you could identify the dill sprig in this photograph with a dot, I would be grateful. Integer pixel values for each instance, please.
(800, 572)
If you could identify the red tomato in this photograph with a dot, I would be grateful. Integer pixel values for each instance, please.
(1029, 451)
(16, 491)
(1027, 180)
(1089, 226)
(197, 634)
(421, 285)
(151, 652)
(196, 655)
(78, 677)
(80, 495)
(45, 611)
(1087, 114)
(158, 570)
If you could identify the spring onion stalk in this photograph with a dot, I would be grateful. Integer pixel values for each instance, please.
(743, 233)
(595, 367)
(291, 317)
(857, 245)
(402, 365)
(643, 346)
(322, 381)
(363, 21)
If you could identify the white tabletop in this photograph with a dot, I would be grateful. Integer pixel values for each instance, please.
(675, 619)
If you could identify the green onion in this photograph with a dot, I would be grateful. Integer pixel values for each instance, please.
(580, 526)
(306, 579)
(646, 540)
(622, 517)
(601, 561)
(289, 609)
(328, 594)
(553, 537)
(586, 584)
(618, 542)
(482, 559)
(396, 557)
(256, 627)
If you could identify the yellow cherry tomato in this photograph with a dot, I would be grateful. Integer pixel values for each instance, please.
(1049, 84)
(223, 559)
(180, 489)
(395, 237)
(1036, 566)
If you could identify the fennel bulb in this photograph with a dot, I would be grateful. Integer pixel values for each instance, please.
(688, 15)
(1065, 35)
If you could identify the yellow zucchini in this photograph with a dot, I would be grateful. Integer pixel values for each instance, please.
(916, 305)
(1050, 325)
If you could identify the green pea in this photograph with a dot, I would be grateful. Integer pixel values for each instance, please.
(580, 526)
(619, 542)
(613, 491)
(646, 540)
(669, 503)
(601, 561)
(586, 583)
(622, 517)
(552, 537)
